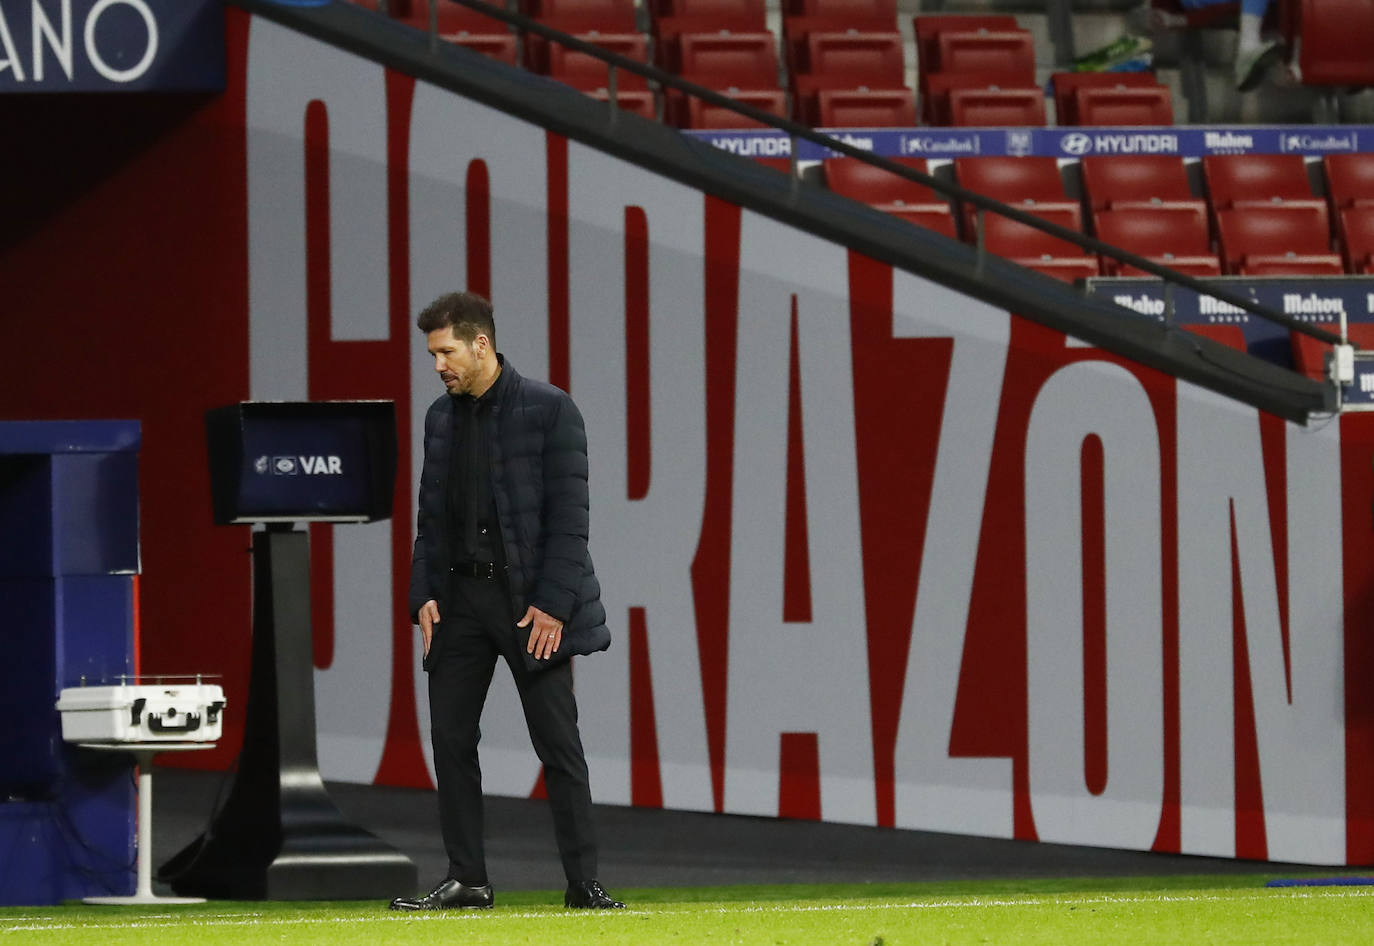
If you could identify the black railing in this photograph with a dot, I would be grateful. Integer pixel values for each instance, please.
(795, 130)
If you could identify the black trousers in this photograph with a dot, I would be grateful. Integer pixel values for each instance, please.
(477, 628)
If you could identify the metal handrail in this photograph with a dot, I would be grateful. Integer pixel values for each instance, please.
(796, 130)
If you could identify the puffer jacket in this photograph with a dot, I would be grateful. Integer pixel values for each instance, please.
(538, 449)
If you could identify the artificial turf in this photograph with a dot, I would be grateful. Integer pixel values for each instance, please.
(1133, 911)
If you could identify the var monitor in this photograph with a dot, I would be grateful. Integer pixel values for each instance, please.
(302, 461)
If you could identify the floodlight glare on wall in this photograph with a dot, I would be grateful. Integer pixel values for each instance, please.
(302, 461)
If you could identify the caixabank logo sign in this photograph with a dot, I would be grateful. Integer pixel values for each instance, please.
(1320, 141)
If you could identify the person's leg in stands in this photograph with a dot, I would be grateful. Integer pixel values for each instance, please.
(1254, 56)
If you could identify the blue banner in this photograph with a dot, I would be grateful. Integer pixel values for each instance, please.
(111, 45)
(1189, 141)
(1305, 298)
(1359, 394)
(1313, 299)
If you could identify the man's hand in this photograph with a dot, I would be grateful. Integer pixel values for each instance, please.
(545, 635)
(429, 616)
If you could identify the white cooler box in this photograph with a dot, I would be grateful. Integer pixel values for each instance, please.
(143, 712)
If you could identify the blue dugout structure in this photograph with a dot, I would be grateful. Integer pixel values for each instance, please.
(68, 556)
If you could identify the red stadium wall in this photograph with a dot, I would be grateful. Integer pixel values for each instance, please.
(875, 552)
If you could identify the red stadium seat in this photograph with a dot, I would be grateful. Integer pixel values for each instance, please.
(986, 50)
(694, 113)
(936, 89)
(1232, 177)
(1357, 239)
(464, 26)
(1066, 83)
(1153, 229)
(1020, 241)
(1309, 355)
(1229, 335)
(640, 101)
(862, 181)
(931, 216)
(1012, 180)
(1323, 264)
(992, 107)
(1067, 268)
(777, 164)
(1137, 105)
(1208, 265)
(845, 61)
(500, 46)
(871, 108)
(873, 59)
(666, 29)
(806, 90)
(891, 193)
(586, 71)
(1298, 228)
(1018, 181)
(929, 27)
(1313, 204)
(719, 10)
(1337, 36)
(796, 30)
(870, 10)
(580, 16)
(1349, 179)
(743, 59)
(709, 16)
(1146, 177)
(453, 18)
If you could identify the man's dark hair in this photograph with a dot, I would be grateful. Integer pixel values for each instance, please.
(466, 312)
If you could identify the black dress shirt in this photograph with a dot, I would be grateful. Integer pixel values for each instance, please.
(472, 510)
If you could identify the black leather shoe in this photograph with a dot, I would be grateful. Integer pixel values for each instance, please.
(449, 895)
(590, 895)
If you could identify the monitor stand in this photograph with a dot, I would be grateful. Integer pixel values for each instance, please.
(279, 836)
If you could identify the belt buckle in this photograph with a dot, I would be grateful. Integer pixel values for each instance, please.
(491, 571)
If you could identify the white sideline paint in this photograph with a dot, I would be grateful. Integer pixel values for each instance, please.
(491, 916)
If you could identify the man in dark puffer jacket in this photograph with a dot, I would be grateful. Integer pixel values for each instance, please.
(502, 532)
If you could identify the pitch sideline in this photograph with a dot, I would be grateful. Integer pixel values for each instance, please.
(171, 921)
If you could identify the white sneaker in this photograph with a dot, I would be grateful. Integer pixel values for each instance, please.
(1252, 64)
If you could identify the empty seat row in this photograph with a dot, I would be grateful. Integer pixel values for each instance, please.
(922, 205)
(1146, 206)
(972, 70)
(1181, 226)
(744, 64)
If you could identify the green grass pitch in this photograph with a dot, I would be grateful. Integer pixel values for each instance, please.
(1133, 911)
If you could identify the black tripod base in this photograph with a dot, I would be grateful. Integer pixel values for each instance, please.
(279, 835)
(305, 850)
(363, 868)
